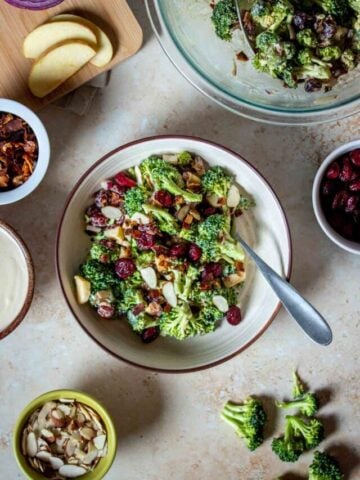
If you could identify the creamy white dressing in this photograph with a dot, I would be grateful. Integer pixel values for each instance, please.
(13, 279)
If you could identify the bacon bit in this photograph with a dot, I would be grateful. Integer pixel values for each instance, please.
(167, 308)
(242, 57)
(138, 309)
(162, 263)
(154, 309)
(188, 219)
(179, 200)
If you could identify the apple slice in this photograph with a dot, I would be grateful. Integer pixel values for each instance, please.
(82, 289)
(105, 49)
(49, 35)
(57, 65)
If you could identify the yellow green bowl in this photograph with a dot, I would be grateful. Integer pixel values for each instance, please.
(105, 463)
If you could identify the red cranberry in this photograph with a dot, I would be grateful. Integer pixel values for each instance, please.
(327, 187)
(101, 198)
(124, 267)
(336, 220)
(160, 250)
(340, 199)
(138, 309)
(354, 186)
(164, 198)
(124, 181)
(145, 241)
(194, 252)
(105, 310)
(355, 157)
(209, 211)
(178, 250)
(333, 171)
(351, 203)
(346, 170)
(150, 334)
(233, 315)
(211, 271)
(98, 220)
(348, 231)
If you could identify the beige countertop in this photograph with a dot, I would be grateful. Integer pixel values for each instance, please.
(168, 425)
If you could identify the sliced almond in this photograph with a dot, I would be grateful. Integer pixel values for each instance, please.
(149, 276)
(87, 433)
(57, 418)
(43, 445)
(66, 400)
(42, 455)
(31, 444)
(233, 197)
(90, 456)
(72, 471)
(184, 210)
(170, 158)
(56, 463)
(221, 303)
(48, 435)
(44, 413)
(111, 213)
(80, 419)
(233, 279)
(99, 441)
(138, 175)
(141, 218)
(70, 447)
(214, 200)
(168, 291)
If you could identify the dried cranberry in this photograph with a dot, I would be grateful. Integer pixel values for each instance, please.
(355, 157)
(346, 170)
(211, 271)
(164, 198)
(178, 250)
(209, 211)
(194, 252)
(101, 198)
(340, 199)
(336, 220)
(312, 85)
(138, 309)
(150, 334)
(348, 231)
(105, 310)
(333, 171)
(233, 315)
(110, 244)
(124, 181)
(351, 203)
(124, 267)
(160, 250)
(98, 220)
(327, 187)
(354, 185)
(146, 241)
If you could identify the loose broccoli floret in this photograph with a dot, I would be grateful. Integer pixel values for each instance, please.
(245, 203)
(103, 254)
(321, 72)
(134, 200)
(330, 53)
(248, 420)
(216, 181)
(166, 177)
(307, 57)
(298, 389)
(324, 467)
(288, 447)
(337, 8)
(266, 40)
(276, 66)
(306, 38)
(184, 159)
(348, 59)
(100, 275)
(181, 323)
(307, 404)
(166, 222)
(312, 432)
(224, 18)
(142, 321)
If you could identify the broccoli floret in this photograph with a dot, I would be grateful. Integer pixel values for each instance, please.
(274, 65)
(306, 38)
(324, 467)
(307, 57)
(166, 222)
(134, 282)
(216, 181)
(103, 254)
(356, 38)
(130, 298)
(337, 8)
(100, 275)
(248, 420)
(312, 432)
(190, 233)
(266, 40)
(224, 18)
(166, 177)
(144, 259)
(298, 389)
(288, 447)
(307, 404)
(134, 200)
(184, 281)
(348, 59)
(282, 10)
(321, 72)
(184, 159)
(142, 321)
(330, 53)
(270, 16)
(181, 323)
(209, 315)
(261, 13)
(205, 297)
(355, 5)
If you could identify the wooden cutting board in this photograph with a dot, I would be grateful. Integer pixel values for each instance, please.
(114, 16)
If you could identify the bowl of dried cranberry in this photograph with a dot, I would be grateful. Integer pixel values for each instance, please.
(24, 151)
(336, 196)
(116, 322)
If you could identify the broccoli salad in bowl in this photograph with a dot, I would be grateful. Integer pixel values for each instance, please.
(163, 256)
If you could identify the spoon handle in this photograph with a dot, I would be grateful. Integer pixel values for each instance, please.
(309, 319)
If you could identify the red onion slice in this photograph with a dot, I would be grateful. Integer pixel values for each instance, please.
(34, 4)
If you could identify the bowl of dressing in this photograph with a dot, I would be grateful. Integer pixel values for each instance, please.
(16, 279)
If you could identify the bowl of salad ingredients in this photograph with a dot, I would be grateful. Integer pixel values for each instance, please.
(148, 257)
(287, 62)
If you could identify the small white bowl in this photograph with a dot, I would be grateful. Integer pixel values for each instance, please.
(348, 245)
(16, 108)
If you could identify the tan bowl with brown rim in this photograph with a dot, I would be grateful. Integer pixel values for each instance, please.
(16, 289)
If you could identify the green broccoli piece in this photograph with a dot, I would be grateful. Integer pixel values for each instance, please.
(307, 57)
(261, 13)
(166, 177)
(216, 181)
(142, 321)
(184, 159)
(209, 315)
(321, 72)
(307, 404)
(245, 203)
(100, 275)
(134, 200)
(266, 40)
(324, 467)
(306, 38)
(298, 389)
(205, 297)
(224, 18)
(189, 234)
(355, 5)
(248, 420)
(184, 281)
(356, 37)
(103, 254)
(166, 222)
(282, 11)
(348, 59)
(130, 298)
(181, 323)
(134, 282)
(337, 8)
(144, 259)
(276, 66)
(288, 447)
(330, 53)
(312, 432)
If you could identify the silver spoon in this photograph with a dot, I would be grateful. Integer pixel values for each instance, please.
(309, 319)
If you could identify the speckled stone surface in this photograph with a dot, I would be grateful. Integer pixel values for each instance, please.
(168, 425)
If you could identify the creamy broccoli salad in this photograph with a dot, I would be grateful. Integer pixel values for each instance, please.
(163, 255)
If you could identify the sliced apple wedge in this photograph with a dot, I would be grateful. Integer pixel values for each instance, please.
(49, 35)
(82, 289)
(57, 65)
(105, 49)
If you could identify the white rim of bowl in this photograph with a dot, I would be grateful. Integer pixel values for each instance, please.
(348, 245)
(34, 122)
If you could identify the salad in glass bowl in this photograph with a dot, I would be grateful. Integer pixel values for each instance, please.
(163, 256)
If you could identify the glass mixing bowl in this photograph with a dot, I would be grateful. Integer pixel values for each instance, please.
(186, 34)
